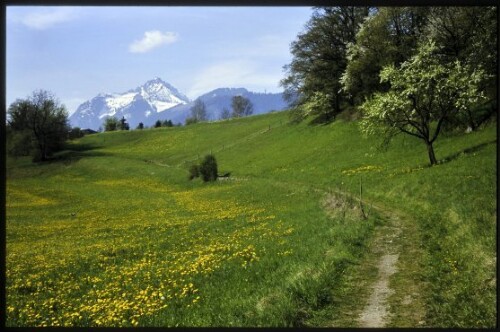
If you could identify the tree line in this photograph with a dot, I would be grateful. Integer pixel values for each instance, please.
(412, 70)
(112, 124)
(240, 106)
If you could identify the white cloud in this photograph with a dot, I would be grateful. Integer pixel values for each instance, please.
(151, 40)
(234, 74)
(41, 20)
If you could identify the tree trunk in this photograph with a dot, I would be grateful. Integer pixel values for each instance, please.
(337, 104)
(432, 156)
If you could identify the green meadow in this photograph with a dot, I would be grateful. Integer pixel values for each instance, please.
(112, 232)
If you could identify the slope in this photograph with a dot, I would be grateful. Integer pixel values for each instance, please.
(257, 250)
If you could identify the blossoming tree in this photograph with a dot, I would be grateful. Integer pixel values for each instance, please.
(424, 93)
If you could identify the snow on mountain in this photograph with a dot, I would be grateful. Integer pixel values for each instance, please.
(118, 101)
(158, 100)
(137, 105)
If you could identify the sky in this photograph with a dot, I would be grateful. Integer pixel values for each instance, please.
(78, 52)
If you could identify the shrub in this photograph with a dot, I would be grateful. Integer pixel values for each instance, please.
(110, 124)
(208, 168)
(18, 143)
(194, 172)
(190, 121)
(75, 133)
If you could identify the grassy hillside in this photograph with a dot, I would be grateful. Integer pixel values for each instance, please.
(113, 233)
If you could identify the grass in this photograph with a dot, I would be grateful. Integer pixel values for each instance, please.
(113, 234)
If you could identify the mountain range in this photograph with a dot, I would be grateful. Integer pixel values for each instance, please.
(158, 100)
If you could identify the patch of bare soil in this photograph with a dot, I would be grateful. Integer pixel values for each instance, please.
(385, 288)
(385, 246)
(376, 311)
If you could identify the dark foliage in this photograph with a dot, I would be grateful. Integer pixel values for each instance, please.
(37, 125)
(194, 172)
(241, 106)
(110, 124)
(208, 168)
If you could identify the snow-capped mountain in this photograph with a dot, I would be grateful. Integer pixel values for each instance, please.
(138, 105)
(158, 100)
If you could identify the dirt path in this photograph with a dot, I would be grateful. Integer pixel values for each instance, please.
(395, 295)
(385, 289)
(375, 314)
(377, 310)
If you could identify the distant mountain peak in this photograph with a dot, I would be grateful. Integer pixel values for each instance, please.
(159, 90)
(136, 105)
(158, 100)
(156, 79)
(227, 92)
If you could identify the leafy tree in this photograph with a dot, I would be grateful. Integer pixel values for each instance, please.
(388, 36)
(318, 105)
(75, 132)
(111, 124)
(123, 124)
(199, 111)
(465, 33)
(470, 35)
(140, 126)
(319, 58)
(208, 168)
(391, 36)
(424, 94)
(241, 106)
(157, 124)
(41, 120)
(225, 114)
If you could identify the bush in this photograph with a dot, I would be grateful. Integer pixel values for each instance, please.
(75, 133)
(190, 121)
(208, 168)
(194, 172)
(110, 124)
(18, 143)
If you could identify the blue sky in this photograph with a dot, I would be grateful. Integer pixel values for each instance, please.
(78, 52)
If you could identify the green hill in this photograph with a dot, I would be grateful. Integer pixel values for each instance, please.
(112, 233)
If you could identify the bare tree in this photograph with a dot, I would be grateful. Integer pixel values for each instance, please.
(241, 106)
